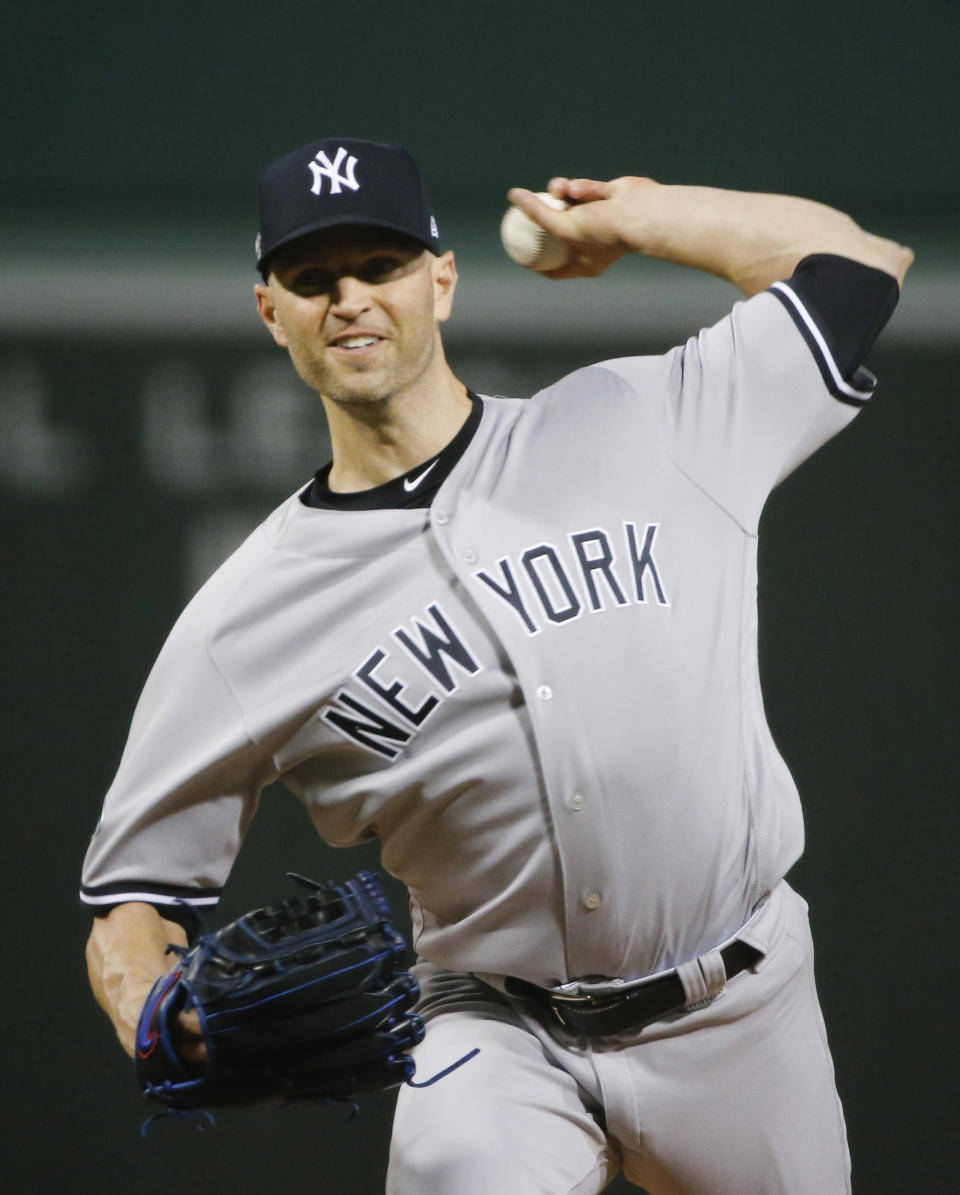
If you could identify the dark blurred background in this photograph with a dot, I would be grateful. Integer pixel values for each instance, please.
(146, 423)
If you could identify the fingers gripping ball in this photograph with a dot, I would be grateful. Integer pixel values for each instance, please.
(304, 999)
(530, 245)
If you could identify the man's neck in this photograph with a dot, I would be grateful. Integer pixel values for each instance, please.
(376, 442)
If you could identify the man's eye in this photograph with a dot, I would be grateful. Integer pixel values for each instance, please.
(312, 281)
(379, 268)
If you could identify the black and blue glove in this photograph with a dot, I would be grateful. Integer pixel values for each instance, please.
(306, 999)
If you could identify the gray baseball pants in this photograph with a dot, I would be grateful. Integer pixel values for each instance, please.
(735, 1098)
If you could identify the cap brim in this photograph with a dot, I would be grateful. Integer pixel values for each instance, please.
(341, 222)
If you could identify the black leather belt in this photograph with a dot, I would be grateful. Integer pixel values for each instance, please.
(589, 1015)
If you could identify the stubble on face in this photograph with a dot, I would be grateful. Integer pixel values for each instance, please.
(335, 292)
(398, 362)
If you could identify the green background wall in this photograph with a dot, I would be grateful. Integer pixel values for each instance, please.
(145, 422)
(176, 103)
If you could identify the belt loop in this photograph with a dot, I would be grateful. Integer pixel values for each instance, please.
(703, 977)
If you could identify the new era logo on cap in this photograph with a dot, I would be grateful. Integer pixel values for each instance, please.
(342, 181)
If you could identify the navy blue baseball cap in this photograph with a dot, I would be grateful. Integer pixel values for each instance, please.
(342, 180)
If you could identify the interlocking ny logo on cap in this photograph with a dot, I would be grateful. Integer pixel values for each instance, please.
(322, 168)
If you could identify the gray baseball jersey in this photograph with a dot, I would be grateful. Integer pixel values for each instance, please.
(540, 693)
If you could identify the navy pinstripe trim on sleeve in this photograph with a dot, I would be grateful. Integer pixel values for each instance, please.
(106, 896)
(860, 388)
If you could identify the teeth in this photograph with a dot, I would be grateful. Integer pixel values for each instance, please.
(356, 342)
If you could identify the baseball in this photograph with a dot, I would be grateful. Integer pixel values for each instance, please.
(529, 244)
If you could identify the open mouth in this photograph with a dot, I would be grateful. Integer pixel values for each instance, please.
(356, 343)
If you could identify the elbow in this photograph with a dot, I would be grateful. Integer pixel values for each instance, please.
(880, 253)
(900, 259)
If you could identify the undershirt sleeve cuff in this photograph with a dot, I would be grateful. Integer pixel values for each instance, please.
(840, 307)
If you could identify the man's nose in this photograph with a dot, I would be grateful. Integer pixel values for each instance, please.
(350, 293)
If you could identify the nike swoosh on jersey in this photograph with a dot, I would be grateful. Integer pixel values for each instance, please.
(411, 483)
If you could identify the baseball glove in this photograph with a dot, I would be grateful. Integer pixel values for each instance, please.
(301, 1000)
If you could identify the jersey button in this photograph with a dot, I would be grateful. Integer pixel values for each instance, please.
(440, 516)
(544, 692)
(593, 900)
(576, 801)
(470, 556)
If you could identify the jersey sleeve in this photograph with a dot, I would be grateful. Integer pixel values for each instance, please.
(186, 789)
(746, 401)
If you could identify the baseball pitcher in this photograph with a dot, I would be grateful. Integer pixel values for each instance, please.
(515, 640)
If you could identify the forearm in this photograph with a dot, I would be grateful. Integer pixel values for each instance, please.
(749, 238)
(126, 953)
(752, 239)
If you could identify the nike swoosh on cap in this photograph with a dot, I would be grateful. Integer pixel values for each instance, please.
(411, 483)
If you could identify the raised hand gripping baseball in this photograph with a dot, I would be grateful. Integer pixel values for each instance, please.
(749, 238)
(593, 226)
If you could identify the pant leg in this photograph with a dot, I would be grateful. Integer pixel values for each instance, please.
(739, 1098)
(509, 1121)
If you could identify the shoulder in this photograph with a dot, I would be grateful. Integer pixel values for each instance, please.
(206, 610)
(609, 381)
(607, 393)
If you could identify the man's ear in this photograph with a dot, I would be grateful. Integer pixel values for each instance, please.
(444, 270)
(268, 312)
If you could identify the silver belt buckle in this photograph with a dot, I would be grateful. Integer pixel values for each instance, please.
(588, 990)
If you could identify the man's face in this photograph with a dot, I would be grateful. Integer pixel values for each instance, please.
(358, 310)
